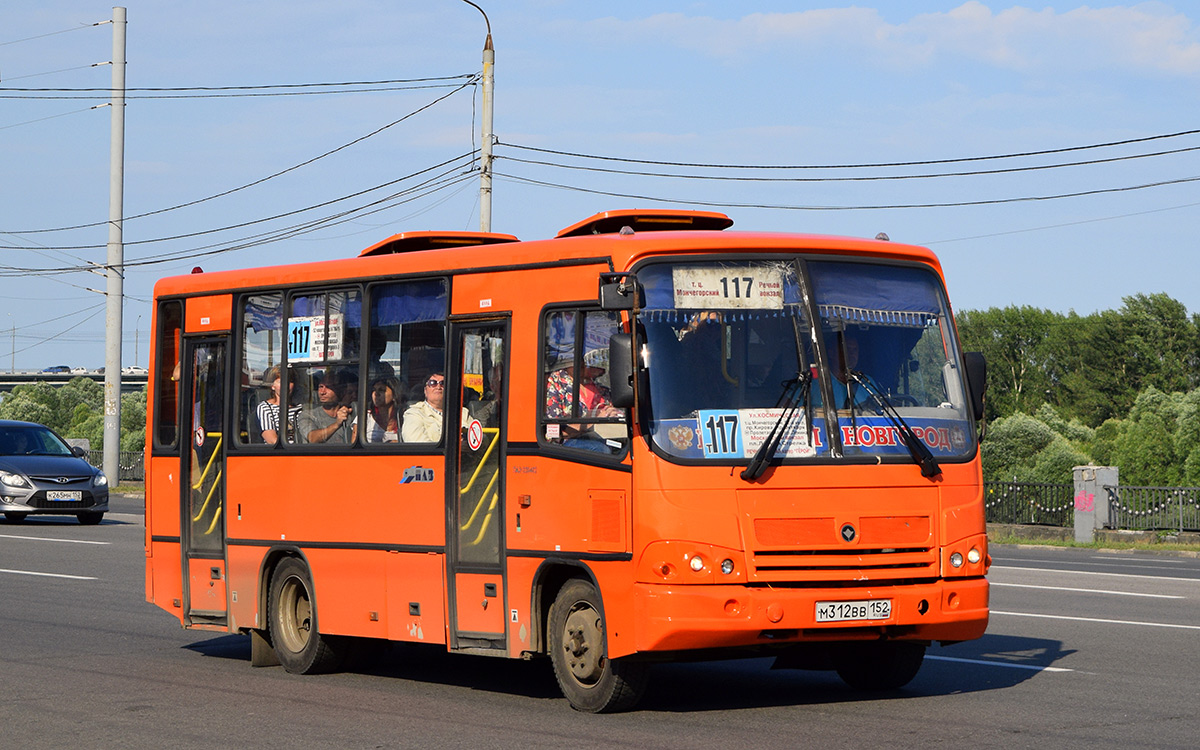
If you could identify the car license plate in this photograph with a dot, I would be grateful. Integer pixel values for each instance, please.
(864, 609)
(63, 496)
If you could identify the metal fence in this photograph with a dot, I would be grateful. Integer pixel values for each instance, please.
(1154, 508)
(1043, 503)
(130, 465)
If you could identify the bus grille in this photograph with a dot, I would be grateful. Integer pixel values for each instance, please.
(809, 550)
(844, 564)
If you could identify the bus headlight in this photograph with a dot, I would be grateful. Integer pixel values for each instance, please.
(974, 555)
(696, 563)
(726, 566)
(956, 560)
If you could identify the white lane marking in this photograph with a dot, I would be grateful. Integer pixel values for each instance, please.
(1086, 591)
(1098, 619)
(48, 575)
(1120, 559)
(50, 539)
(1010, 665)
(1095, 573)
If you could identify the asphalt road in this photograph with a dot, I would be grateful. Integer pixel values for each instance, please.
(1085, 650)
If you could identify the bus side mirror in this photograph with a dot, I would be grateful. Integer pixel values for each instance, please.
(620, 291)
(620, 369)
(976, 380)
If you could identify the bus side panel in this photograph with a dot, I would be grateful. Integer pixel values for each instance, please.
(164, 571)
(245, 564)
(350, 591)
(336, 500)
(416, 593)
(523, 625)
(566, 507)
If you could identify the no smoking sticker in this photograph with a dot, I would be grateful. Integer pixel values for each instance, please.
(475, 434)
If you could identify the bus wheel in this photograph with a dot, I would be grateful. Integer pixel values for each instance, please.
(293, 622)
(591, 681)
(881, 666)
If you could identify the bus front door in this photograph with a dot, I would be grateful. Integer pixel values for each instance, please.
(203, 489)
(475, 501)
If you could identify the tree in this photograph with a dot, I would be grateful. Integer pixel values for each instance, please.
(1014, 342)
(75, 410)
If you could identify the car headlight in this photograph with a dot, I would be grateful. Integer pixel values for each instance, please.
(13, 480)
(100, 480)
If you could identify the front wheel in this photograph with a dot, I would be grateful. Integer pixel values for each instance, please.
(591, 681)
(298, 643)
(15, 517)
(881, 665)
(89, 518)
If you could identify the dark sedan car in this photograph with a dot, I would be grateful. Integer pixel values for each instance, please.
(41, 474)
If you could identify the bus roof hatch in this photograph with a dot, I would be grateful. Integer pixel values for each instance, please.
(648, 220)
(407, 242)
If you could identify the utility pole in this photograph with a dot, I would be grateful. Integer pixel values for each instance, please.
(485, 148)
(116, 259)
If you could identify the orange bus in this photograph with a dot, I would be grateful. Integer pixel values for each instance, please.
(647, 438)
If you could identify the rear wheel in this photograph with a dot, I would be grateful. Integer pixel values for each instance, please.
(293, 622)
(882, 666)
(591, 681)
(15, 517)
(89, 518)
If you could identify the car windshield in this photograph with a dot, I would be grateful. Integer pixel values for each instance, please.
(738, 354)
(31, 441)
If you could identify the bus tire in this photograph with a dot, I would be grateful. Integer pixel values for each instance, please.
(590, 681)
(298, 643)
(885, 665)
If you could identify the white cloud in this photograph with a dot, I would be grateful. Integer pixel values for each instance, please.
(1146, 37)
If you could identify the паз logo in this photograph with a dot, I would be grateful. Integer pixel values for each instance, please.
(848, 532)
(417, 474)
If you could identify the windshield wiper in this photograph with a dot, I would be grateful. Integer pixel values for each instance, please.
(920, 453)
(794, 396)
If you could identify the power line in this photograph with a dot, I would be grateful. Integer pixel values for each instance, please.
(470, 82)
(55, 33)
(200, 233)
(953, 204)
(868, 178)
(874, 165)
(107, 92)
(257, 87)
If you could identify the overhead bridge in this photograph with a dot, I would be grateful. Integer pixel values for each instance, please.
(10, 380)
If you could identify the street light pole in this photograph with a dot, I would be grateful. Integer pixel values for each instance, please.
(485, 147)
(115, 289)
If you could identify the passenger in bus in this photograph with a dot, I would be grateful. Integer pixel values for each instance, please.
(383, 411)
(268, 410)
(423, 420)
(329, 420)
(595, 400)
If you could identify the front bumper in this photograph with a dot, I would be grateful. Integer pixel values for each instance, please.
(680, 618)
(35, 503)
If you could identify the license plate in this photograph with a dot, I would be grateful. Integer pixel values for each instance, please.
(63, 496)
(864, 609)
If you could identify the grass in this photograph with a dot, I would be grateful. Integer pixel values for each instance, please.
(1099, 544)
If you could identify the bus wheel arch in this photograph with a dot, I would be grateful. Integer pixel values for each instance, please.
(577, 641)
(293, 623)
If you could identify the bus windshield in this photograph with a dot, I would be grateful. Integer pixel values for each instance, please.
(828, 358)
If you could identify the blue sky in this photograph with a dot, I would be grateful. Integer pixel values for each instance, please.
(804, 84)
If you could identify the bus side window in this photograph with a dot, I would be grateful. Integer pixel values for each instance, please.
(405, 345)
(166, 377)
(577, 405)
(262, 354)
